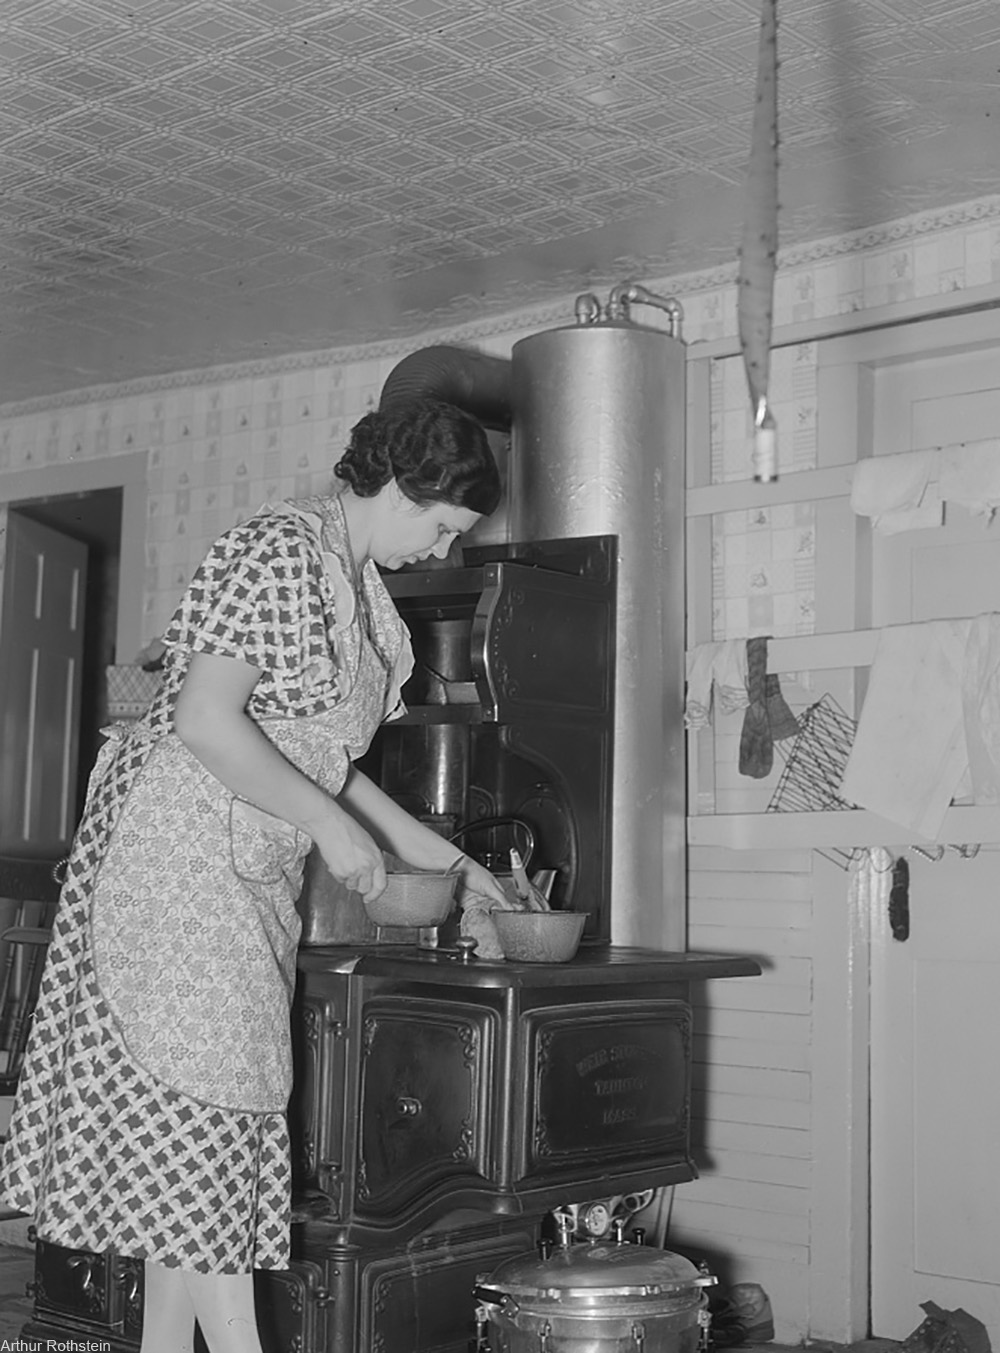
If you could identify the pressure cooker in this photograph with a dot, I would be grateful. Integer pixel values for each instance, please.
(599, 1296)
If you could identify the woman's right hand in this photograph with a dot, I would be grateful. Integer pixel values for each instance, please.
(351, 855)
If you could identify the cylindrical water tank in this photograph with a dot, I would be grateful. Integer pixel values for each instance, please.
(598, 449)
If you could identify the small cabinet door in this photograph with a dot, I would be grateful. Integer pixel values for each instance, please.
(422, 1302)
(78, 1287)
(291, 1308)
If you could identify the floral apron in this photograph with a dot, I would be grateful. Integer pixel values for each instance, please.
(150, 1115)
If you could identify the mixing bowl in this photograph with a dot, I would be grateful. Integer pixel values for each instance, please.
(418, 899)
(540, 936)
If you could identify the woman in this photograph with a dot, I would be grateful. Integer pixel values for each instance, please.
(151, 1112)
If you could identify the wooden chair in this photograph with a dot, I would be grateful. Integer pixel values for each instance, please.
(24, 959)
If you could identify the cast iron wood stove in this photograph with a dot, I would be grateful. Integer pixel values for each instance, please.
(443, 1106)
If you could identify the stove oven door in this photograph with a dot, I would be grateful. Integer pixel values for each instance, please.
(608, 1092)
(426, 1113)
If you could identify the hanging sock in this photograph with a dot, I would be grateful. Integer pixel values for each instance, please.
(768, 718)
(784, 724)
(756, 742)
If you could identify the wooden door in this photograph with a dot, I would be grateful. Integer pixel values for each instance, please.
(936, 1098)
(935, 1094)
(41, 651)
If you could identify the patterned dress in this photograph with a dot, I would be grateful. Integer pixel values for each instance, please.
(150, 1115)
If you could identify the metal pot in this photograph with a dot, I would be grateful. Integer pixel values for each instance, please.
(596, 1297)
(494, 859)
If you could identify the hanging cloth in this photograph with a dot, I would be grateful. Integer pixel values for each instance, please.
(768, 719)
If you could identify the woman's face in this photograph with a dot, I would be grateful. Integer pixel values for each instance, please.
(413, 531)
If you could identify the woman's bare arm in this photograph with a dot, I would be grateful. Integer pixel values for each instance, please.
(410, 839)
(210, 719)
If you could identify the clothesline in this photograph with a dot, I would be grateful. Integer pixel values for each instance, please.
(929, 728)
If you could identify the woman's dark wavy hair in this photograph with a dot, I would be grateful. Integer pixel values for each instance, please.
(436, 452)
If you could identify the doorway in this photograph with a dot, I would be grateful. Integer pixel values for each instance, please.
(60, 599)
(99, 508)
(72, 496)
(94, 519)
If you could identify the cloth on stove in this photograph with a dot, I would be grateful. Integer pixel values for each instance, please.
(477, 923)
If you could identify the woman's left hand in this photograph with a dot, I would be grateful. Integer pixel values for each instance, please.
(478, 883)
(415, 843)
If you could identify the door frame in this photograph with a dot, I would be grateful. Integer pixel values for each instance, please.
(129, 473)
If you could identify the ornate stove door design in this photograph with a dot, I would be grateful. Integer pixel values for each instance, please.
(606, 1085)
(425, 1111)
(321, 1097)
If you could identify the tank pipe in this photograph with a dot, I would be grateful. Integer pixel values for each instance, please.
(626, 294)
(587, 309)
(472, 381)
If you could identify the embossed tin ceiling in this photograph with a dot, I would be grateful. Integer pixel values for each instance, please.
(191, 182)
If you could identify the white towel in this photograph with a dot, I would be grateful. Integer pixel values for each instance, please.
(909, 754)
(898, 492)
(871, 882)
(981, 707)
(969, 473)
(721, 667)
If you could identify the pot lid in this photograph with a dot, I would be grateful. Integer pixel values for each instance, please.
(598, 1269)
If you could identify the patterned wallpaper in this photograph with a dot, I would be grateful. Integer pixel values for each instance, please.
(218, 452)
(763, 579)
(222, 441)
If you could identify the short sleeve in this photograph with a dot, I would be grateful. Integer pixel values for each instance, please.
(261, 595)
